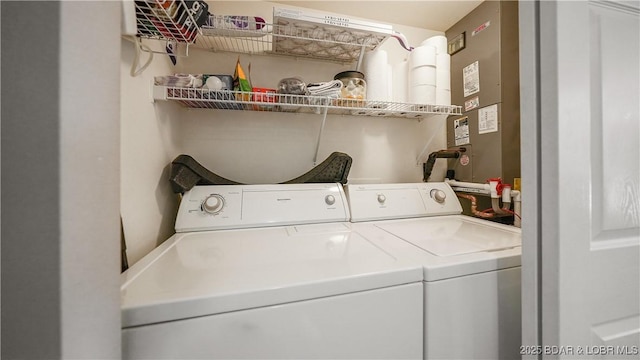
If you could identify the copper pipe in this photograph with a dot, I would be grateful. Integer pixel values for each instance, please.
(474, 206)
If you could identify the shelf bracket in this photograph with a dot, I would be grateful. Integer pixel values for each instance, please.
(361, 56)
(157, 92)
(325, 109)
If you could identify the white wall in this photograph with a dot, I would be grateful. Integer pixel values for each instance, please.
(60, 180)
(148, 144)
(252, 147)
(89, 164)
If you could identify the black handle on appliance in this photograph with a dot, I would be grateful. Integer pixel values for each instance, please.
(427, 167)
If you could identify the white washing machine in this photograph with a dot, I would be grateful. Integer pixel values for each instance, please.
(270, 272)
(471, 266)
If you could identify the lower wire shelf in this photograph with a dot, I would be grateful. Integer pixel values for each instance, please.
(199, 98)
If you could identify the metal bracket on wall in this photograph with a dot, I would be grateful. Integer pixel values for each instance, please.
(324, 120)
(361, 56)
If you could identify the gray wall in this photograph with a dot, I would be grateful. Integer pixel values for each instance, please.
(529, 15)
(60, 180)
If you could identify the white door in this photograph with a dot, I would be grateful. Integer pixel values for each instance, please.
(581, 178)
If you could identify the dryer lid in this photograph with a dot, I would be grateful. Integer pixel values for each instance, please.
(453, 235)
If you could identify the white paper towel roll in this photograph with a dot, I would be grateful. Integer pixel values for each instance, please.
(389, 82)
(423, 75)
(443, 62)
(443, 68)
(443, 97)
(376, 74)
(400, 77)
(438, 41)
(421, 56)
(443, 79)
(422, 94)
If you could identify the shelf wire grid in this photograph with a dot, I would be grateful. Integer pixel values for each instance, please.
(200, 98)
(170, 20)
(173, 21)
(298, 39)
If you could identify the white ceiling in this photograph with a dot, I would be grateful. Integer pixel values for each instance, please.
(434, 15)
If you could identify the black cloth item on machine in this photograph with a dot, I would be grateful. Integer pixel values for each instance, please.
(186, 172)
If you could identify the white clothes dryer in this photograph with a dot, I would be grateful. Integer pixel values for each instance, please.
(471, 266)
(270, 272)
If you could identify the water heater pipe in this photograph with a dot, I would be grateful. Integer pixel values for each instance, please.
(493, 186)
(495, 206)
(442, 154)
(517, 207)
(474, 206)
(486, 189)
(506, 200)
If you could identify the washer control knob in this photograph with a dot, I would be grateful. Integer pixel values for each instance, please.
(213, 204)
(330, 199)
(381, 198)
(438, 195)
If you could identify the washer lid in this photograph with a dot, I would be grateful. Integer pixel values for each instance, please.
(197, 274)
(454, 235)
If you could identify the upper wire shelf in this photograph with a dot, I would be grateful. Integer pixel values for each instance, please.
(188, 22)
(297, 39)
(171, 20)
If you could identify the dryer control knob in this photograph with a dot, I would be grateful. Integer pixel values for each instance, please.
(438, 195)
(381, 198)
(213, 204)
(330, 199)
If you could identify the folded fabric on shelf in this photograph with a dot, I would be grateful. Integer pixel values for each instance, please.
(180, 80)
(330, 89)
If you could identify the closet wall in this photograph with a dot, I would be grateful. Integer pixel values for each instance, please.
(247, 146)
